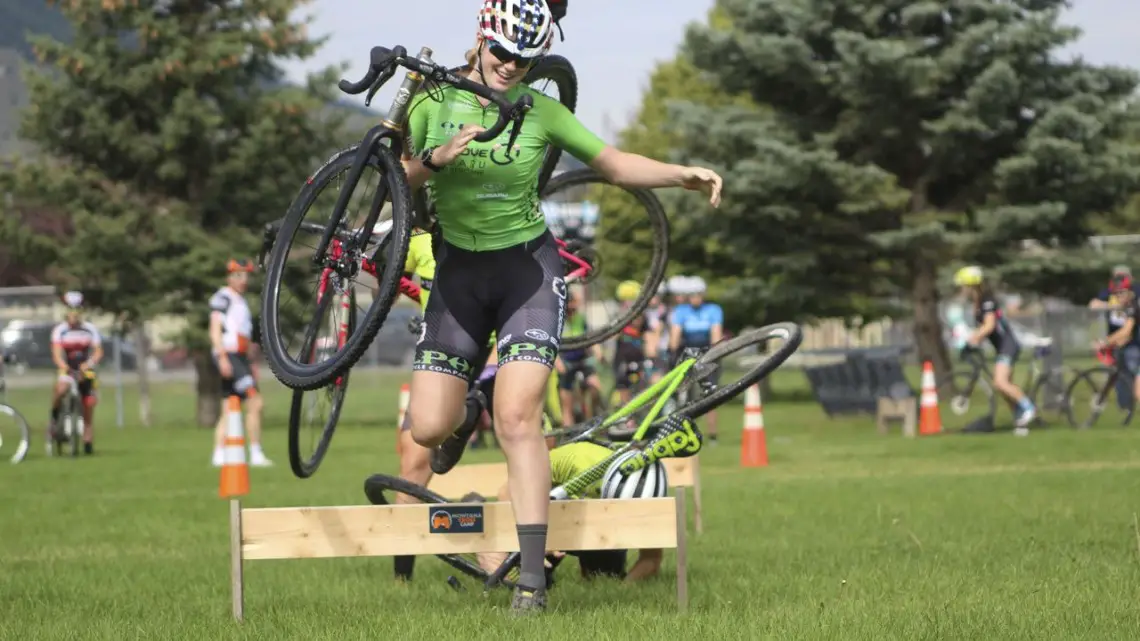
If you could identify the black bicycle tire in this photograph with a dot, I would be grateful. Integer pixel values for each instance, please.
(974, 374)
(658, 261)
(1038, 386)
(377, 484)
(558, 69)
(304, 469)
(310, 377)
(706, 403)
(1087, 374)
(75, 437)
(25, 432)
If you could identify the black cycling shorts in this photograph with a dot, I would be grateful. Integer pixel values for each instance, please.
(566, 381)
(609, 563)
(241, 383)
(1007, 348)
(518, 292)
(629, 365)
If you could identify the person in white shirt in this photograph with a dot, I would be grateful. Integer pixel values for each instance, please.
(231, 330)
(76, 348)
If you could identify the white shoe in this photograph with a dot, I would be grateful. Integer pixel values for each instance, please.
(257, 459)
(1026, 418)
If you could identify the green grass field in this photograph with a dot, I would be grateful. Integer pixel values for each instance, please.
(846, 535)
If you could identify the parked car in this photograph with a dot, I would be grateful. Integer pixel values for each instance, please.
(28, 344)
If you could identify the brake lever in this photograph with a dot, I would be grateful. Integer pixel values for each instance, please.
(384, 77)
(518, 113)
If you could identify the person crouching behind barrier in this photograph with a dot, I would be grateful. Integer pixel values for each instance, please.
(231, 334)
(566, 463)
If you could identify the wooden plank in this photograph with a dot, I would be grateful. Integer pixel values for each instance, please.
(488, 478)
(388, 530)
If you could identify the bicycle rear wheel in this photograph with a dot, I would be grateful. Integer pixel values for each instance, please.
(621, 234)
(15, 435)
(710, 364)
(347, 257)
(1096, 392)
(309, 406)
(377, 485)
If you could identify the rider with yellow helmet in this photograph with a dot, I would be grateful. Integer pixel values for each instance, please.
(991, 324)
(636, 344)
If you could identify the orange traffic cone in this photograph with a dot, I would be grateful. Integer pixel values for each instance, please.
(235, 470)
(753, 444)
(929, 420)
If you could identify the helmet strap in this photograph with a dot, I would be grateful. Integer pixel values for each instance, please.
(479, 61)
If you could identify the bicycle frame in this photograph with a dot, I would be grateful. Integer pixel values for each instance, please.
(662, 390)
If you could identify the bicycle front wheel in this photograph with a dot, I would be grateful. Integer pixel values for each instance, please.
(1095, 393)
(15, 435)
(611, 234)
(966, 403)
(711, 365)
(295, 273)
(319, 411)
(376, 487)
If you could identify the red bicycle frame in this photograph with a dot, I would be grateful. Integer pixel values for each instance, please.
(409, 288)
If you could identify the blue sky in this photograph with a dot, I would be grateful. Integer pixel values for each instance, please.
(613, 44)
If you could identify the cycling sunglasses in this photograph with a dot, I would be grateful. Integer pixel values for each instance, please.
(504, 56)
(239, 265)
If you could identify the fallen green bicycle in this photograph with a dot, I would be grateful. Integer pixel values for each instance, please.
(657, 437)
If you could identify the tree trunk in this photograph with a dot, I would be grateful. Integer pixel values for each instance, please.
(209, 390)
(927, 320)
(142, 364)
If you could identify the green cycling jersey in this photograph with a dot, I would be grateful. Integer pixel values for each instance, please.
(487, 198)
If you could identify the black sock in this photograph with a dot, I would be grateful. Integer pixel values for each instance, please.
(474, 411)
(404, 566)
(532, 549)
(55, 413)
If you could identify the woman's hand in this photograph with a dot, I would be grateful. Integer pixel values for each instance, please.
(446, 153)
(704, 180)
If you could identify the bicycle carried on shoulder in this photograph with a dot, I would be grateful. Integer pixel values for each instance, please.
(347, 249)
(657, 436)
(15, 434)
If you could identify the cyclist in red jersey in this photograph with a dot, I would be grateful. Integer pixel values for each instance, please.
(76, 348)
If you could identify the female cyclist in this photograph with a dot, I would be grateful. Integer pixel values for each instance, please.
(498, 266)
(991, 324)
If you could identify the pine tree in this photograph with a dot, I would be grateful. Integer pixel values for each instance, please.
(169, 139)
(938, 130)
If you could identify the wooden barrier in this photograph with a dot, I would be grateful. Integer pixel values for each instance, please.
(391, 530)
(488, 478)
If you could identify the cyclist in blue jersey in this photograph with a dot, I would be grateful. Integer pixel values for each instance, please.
(992, 325)
(498, 268)
(697, 323)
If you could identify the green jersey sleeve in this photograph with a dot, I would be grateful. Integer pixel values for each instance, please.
(566, 132)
